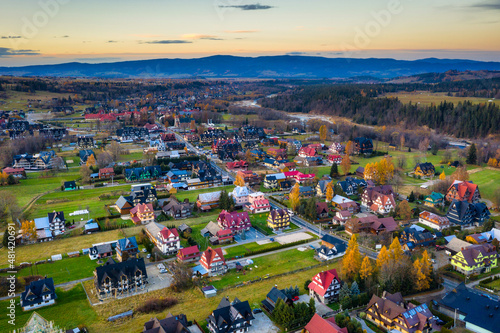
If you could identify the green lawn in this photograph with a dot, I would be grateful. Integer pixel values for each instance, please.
(71, 309)
(36, 184)
(260, 220)
(192, 195)
(244, 249)
(138, 156)
(272, 264)
(488, 181)
(68, 269)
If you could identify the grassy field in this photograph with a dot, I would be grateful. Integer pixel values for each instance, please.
(260, 220)
(193, 303)
(488, 181)
(18, 100)
(244, 249)
(36, 184)
(270, 264)
(192, 195)
(427, 98)
(71, 309)
(69, 269)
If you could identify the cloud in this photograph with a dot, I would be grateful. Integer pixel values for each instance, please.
(166, 41)
(199, 36)
(6, 52)
(488, 5)
(256, 6)
(240, 31)
(111, 41)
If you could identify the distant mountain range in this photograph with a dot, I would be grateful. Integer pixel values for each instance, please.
(223, 66)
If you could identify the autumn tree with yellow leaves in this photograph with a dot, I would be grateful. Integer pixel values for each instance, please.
(322, 133)
(383, 257)
(395, 250)
(404, 210)
(349, 148)
(295, 196)
(380, 172)
(239, 181)
(351, 262)
(329, 192)
(345, 164)
(366, 268)
(90, 161)
(442, 176)
(29, 229)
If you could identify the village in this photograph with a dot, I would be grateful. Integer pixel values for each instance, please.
(155, 215)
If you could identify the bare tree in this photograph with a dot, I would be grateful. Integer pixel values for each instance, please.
(115, 149)
(104, 159)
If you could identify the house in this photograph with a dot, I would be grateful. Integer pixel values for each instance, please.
(127, 245)
(341, 217)
(471, 309)
(467, 214)
(37, 323)
(325, 286)
(379, 199)
(337, 159)
(308, 161)
(106, 173)
(391, 311)
(476, 239)
(412, 238)
(336, 148)
(57, 222)
(257, 203)
(85, 154)
(360, 172)
(143, 173)
(331, 247)
(346, 187)
(273, 181)
(207, 201)
(184, 228)
(189, 254)
(171, 324)
(278, 219)
(305, 191)
(123, 205)
(85, 142)
(237, 165)
(38, 293)
(341, 203)
(435, 200)
(363, 146)
(279, 154)
(177, 210)
(475, 259)
(307, 152)
(272, 298)
(118, 278)
(15, 172)
(318, 324)
(212, 260)
(165, 239)
(321, 188)
(234, 221)
(91, 226)
(356, 183)
(142, 214)
(433, 220)
(249, 177)
(42, 226)
(463, 190)
(99, 251)
(70, 186)
(369, 223)
(424, 170)
(230, 317)
(287, 166)
(322, 210)
(240, 195)
(176, 176)
(456, 245)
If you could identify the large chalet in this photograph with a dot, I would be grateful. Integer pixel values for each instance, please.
(234, 221)
(212, 260)
(325, 286)
(379, 199)
(463, 190)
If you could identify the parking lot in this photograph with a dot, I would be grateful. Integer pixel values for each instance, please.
(158, 280)
(251, 234)
(262, 324)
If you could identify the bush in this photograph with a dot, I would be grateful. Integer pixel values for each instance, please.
(157, 305)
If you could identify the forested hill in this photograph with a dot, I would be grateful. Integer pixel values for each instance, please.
(362, 104)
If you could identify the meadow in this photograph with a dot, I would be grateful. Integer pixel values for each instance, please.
(428, 98)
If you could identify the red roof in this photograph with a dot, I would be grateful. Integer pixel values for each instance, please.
(106, 170)
(307, 151)
(209, 255)
(462, 188)
(165, 232)
(224, 232)
(189, 250)
(324, 279)
(141, 208)
(9, 170)
(320, 325)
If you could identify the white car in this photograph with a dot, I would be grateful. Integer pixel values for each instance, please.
(144, 250)
(148, 256)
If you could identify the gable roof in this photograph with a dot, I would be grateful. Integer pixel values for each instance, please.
(210, 254)
(326, 277)
(230, 314)
(35, 291)
(457, 244)
(125, 243)
(462, 187)
(317, 324)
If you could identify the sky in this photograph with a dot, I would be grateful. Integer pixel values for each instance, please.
(58, 31)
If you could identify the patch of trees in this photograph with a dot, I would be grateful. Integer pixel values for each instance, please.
(293, 315)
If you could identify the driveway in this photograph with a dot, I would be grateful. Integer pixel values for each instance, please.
(262, 324)
(321, 308)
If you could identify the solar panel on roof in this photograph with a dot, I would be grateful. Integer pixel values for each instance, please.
(412, 312)
(406, 315)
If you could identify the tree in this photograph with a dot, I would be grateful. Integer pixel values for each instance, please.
(472, 155)
(395, 250)
(90, 161)
(29, 229)
(354, 289)
(104, 159)
(181, 273)
(311, 211)
(334, 170)
(125, 256)
(345, 164)
(411, 197)
(249, 157)
(5, 240)
(423, 145)
(402, 141)
(239, 181)
(369, 173)
(460, 174)
(85, 173)
(384, 171)
(344, 291)
(306, 284)
(115, 150)
(349, 148)
(322, 133)
(295, 196)
(383, 257)
(329, 192)
(426, 264)
(404, 210)
(421, 281)
(442, 176)
(366, 268)
(351, 262)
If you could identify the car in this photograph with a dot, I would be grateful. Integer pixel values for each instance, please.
(271, 239)
(148, 256)
(295, 298)
(162, 271)
(144, 250)
(255, 311)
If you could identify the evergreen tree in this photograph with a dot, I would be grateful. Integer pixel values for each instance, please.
(411, 197)
(334, 170)
(344, 291)
(311, 211)
(312, 307)
(472, 155)
(354, 289)
(296, 291)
